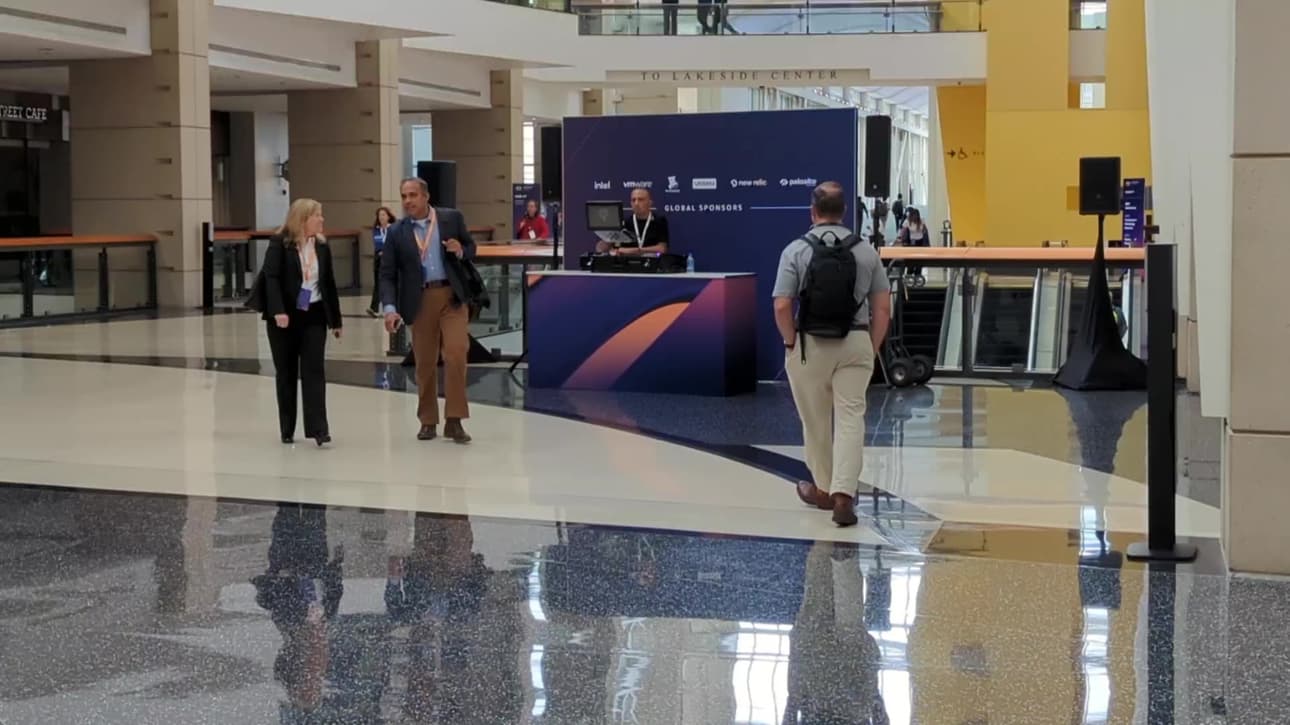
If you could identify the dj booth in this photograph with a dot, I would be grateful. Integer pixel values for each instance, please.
(640, 322)
(689, 333)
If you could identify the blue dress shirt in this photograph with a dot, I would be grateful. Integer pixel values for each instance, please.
(432, 263)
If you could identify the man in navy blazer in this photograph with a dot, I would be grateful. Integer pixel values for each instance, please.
(424, 285)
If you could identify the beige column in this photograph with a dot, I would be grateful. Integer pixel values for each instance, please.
(345, 150)
(488, 147)
(1256, 488)
(141, 159)
(593, 102)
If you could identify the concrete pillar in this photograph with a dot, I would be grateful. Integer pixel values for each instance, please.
(593, 102)
(488, 147)
(141, 158)
(345, 149)
(1256, 493)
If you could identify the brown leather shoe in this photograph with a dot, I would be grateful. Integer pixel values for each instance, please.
(427, 433)
(454, 431)
(844, 510)
(811, 495)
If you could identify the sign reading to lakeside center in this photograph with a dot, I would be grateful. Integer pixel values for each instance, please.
(800, 77)
(24, 114)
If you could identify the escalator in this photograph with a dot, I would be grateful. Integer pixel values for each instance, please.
(1003, 332)
(924, 308)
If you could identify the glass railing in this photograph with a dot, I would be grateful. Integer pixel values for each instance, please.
(560, 6)
(775, 17)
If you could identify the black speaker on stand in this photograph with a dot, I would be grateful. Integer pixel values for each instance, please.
(551, 142)
(441, 177)
(877, 156)
(1098, 359)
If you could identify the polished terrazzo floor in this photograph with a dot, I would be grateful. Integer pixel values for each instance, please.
(593, 558)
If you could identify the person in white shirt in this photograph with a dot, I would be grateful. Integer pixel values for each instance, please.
(914, 233)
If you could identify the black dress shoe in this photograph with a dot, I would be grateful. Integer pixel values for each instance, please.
(322, 439)
(844, 510)
(454, 431)
(427, 433)
(288, 440)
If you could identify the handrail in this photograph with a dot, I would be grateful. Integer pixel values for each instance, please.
(796, 17)
(258, 234)
(1042, 256)
(17, 244)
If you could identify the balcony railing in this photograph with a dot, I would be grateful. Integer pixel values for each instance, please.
(775, 17)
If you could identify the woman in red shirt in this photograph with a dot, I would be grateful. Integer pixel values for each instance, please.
(532, 225)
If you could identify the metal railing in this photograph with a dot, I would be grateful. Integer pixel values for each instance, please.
(70, 278)
(775, 17)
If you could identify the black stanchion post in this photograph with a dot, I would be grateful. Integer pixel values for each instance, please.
(28, 270)
(208, 266)
(1162, 376)
(105, 298)
(152, 276)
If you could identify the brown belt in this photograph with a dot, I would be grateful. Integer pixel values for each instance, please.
(436, 284)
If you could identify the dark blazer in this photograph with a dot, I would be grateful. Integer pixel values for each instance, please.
(283, 279)
(401, 276)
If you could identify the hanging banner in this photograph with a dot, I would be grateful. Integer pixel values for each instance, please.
(1134, 206)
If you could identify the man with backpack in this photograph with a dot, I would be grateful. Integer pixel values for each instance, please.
(843, 310)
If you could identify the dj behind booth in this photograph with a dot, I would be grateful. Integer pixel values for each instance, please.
(635, 242)
(633, 319)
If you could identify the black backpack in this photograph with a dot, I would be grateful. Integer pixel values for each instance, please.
(827, 305)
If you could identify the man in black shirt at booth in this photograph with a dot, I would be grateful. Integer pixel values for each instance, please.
(648, 231)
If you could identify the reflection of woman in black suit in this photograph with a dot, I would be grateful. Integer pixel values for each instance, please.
(300, 304)
(301, 591)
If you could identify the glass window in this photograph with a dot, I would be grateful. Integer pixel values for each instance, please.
(1088, 14)
(530, 154)
(1092, 95)
(422, 148)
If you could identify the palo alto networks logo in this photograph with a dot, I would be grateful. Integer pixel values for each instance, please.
(603, 185)
(673, 186)
(704, 184)
(798, 182)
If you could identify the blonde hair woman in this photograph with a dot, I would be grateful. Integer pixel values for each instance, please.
(300, 305)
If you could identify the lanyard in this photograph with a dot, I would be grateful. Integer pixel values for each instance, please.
(309, 261)
(640, 233)
(423, 243)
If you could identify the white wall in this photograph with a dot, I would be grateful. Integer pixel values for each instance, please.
(279, 46)
(272, 195)
(551, 102)
(444, 79)
(1191, 95)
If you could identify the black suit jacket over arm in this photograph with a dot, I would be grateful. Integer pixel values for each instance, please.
(283, 278)
(402, 279)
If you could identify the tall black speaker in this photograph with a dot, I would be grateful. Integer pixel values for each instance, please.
(1099, 185)
(441, 177)
(877, 156)
(552, 162)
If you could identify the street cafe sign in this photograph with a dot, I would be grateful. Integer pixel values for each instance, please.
(24, 114)
(769, 77)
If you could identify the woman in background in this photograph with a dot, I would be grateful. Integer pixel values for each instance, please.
(913, 233)
(300, 305)
(532, 226)
(384, 220)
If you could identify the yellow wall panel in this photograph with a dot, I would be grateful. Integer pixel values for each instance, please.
(1126, 55)
(961, 111)
(1028, 54)
(1034, 157)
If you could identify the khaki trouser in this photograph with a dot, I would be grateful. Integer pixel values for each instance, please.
(829, 390)
(441, 326)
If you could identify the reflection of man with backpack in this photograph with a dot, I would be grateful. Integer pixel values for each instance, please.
(843, 310)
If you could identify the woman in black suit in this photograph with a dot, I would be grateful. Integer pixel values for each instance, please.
(300, 305)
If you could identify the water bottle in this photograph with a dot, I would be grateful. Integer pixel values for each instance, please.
(689, 264)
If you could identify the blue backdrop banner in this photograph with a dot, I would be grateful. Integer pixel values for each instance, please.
(735, 187)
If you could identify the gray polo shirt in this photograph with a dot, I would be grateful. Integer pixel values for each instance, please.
(796, 258)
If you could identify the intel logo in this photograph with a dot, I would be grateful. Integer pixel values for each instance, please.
(602, 185)
(703, 184)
